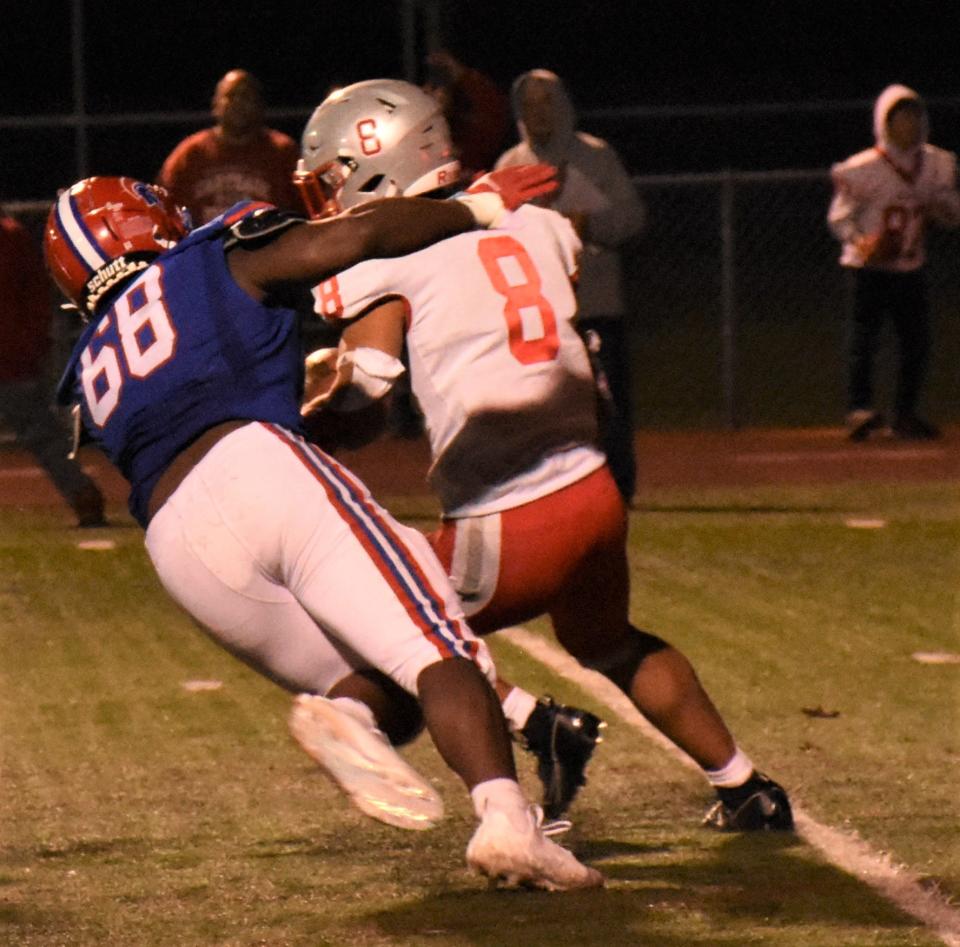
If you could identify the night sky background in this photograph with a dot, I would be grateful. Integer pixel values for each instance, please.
(684, 54)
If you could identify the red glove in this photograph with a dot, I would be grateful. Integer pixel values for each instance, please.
(518, 184)
(496, 192)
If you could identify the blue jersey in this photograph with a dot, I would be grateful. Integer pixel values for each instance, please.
(181, 349)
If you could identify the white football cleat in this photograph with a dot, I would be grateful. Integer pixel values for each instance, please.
(511, 849)
(360, 759)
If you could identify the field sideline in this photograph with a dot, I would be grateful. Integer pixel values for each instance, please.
(800, 573)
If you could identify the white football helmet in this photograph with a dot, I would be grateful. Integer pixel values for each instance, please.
(378, 138)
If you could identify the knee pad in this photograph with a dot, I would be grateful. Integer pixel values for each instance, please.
(621, 665)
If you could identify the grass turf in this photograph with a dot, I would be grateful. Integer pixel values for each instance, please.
(135, 812)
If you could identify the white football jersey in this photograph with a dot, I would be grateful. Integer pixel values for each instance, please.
(873, 195)
(496, 365)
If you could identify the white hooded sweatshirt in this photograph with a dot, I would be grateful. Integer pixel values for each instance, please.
(884, 189)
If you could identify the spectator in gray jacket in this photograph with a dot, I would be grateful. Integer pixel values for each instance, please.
(599, 198)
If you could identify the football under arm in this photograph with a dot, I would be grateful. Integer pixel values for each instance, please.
(365, 366)
(348, 408)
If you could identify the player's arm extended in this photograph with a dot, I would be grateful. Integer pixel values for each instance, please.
(313, 251)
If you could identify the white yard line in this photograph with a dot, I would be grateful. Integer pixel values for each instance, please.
(843, 849)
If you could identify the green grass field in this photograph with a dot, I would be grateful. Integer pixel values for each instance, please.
(136, 812)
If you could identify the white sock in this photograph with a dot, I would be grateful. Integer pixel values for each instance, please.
(517, 707)
(500, 793)
(356, 709)
(735, 772)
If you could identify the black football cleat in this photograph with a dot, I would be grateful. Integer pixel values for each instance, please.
(563, 740)
(759, 805)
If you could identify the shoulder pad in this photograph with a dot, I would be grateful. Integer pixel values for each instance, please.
(261, 226)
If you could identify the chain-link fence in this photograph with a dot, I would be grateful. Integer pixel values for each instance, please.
(738, 305)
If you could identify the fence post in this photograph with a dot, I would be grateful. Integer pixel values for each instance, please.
(408, 39)
(728, 304)
(82, 146)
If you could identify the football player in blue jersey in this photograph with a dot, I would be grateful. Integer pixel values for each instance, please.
(188, 375)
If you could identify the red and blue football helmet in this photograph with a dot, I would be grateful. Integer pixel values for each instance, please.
(103, 230)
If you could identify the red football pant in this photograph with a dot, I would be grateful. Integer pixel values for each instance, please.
(563, 554)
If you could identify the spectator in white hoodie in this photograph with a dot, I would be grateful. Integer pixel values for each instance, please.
(883, 198)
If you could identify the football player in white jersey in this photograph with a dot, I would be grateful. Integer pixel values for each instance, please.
(533, 522)
(883, 199)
